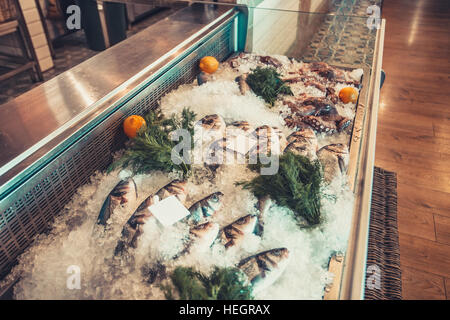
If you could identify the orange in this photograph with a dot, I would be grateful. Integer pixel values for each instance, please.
(348, 94)
(209, 64)
(132, 124)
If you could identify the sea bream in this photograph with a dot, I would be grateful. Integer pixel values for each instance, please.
(125, 191)
(334, 159)
(264, 268)
(234, 233)
(133, 228)
(303, 142)
(206, 207)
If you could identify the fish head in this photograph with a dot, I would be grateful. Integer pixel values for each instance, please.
(125, 191)
(216, 197)
(246, 224)
(211, 204)
(278, 255)
(205, 234)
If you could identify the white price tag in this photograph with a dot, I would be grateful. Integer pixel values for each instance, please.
(169, 210)
(241, 143)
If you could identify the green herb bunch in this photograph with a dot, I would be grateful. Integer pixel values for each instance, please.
(221, 284)
(266, 83)
(297, 185)
(151, 149)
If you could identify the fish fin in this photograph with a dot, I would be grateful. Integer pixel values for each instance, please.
(342, 165)
(105, 211)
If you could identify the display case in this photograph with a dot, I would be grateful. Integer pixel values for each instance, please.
(71, 125)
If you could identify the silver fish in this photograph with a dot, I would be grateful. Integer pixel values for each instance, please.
(122, 193)
(334, 159)
(206, 207)
(264, 204)
(234, 233)
(203, 235)
(303, 142)
(133, 228)
(264, 268)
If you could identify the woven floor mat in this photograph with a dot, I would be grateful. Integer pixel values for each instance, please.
(384, 280)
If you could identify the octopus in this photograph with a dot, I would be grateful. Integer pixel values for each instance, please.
(328, 72)
(328, 124)
(316, 84)
(334, 159)
(306, 106)
(234, 61)
(268, 60)
(331, 95)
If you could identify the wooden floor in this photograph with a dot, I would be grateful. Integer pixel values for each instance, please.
(413, 139)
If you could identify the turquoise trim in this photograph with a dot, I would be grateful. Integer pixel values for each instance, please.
(28, 173)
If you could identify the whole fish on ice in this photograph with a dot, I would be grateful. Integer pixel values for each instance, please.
(125, 191)
(133, 228)
(334, 159)
(235, 232)
(203, 236)
(206, 207)
(264, 268)
(303, 142)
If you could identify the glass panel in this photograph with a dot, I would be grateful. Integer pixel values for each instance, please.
(343, 7)
(335, 39)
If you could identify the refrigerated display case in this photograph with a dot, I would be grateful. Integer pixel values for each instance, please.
(71, 125)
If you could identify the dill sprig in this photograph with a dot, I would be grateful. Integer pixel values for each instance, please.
(297, 185)
(151, 149)
(221, 284)
(266, 83)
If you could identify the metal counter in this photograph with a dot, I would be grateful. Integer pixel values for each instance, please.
(70, 125)
(35, 122)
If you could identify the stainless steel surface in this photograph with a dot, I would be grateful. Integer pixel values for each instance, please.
(29, 208)
(35, 122)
